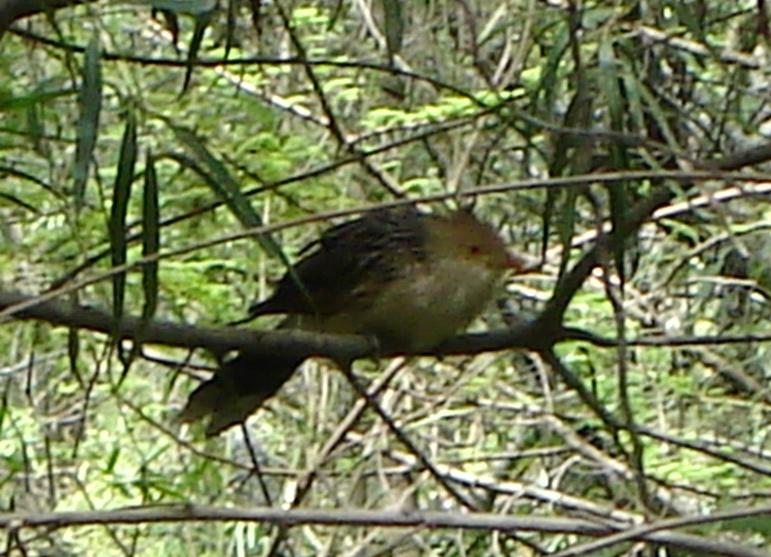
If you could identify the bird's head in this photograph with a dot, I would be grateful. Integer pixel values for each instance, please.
(460, 235)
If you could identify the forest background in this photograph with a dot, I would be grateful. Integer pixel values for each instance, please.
(161, 162)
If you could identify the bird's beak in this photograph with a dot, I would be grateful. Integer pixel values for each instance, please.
(522, 263)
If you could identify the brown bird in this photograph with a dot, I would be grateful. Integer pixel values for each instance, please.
(410, 279)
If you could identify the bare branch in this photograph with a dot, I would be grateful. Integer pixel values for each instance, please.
(365, 517)
(341, 348)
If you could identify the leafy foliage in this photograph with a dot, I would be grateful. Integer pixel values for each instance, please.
(149, 133)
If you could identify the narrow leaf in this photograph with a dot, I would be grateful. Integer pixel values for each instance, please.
(192, 7)
(150, 238)
(202, 21)
(226, 188)
(73, 351)
(8, 102)
(572, 155)
(611, 86)
(89, 105)
(120, 199)
(223, 183)
(393, 26)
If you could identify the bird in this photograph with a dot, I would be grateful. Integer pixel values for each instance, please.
(407, 278)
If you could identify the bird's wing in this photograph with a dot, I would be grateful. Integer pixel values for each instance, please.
(348, 258)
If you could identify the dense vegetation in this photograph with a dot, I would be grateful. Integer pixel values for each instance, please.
(165, 160)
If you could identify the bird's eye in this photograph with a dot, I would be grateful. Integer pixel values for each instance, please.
(474, 249)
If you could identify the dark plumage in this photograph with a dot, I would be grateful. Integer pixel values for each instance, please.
(410, 279)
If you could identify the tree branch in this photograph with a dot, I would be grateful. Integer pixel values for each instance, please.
(341, 348)
(365, 517)
(532, 335)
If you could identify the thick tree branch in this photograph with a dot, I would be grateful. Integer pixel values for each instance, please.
(218, 340)
(341, 348)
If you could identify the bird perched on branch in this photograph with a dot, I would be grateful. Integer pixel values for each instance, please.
(407, 278)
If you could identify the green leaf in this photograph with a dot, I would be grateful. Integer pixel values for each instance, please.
(150, 238)
(9, 102)
(191, 7)
(610, 84)
(73, 351)
(572, 155)
(202, 21)
(547, 87)
(120, 199)
(219, 179)
(89, 105)
(112, 459)
(226, 188)
(393, 26)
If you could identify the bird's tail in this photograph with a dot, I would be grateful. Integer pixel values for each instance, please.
(238, 389)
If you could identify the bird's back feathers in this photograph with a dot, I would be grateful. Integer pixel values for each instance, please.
(346, 256)
(407, 278)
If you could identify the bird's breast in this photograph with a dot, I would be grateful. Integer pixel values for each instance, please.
(426, 305)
